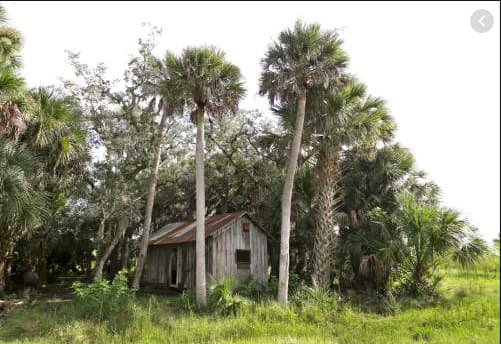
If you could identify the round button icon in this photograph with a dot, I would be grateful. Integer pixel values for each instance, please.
(481, 21)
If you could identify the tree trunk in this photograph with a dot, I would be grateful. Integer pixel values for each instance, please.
(100, 235)
(3, 268)
(121, 228)
(5, 252)
(326, 202)
(201, 293)
(150, 200)
(124, 253)
(283, 278)
(41, 259)
(355, 250)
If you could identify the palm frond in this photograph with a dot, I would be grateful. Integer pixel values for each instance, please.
(207, 80)
(302, 57)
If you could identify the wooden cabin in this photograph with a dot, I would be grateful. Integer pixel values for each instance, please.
(234, 247)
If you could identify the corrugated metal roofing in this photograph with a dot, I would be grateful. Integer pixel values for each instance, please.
(179, 232)
(165, 229)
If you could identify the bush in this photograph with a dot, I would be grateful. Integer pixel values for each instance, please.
(104, 300)
(255, 290)
(412, 287)
(223, 298)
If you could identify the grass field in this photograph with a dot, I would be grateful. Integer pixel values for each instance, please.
(467, 312)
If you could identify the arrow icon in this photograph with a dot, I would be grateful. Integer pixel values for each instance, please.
(481, 21)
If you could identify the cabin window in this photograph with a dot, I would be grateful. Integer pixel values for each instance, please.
(245, 233)
(243, 258)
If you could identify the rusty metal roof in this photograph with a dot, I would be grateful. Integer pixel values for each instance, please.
(180, 232)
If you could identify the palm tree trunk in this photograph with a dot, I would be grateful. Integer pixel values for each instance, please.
(122, 227)
(201, 293)
(283, 275)
(326, 202)
(150, 200)
(5, 252)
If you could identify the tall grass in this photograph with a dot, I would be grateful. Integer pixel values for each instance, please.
(467, 312)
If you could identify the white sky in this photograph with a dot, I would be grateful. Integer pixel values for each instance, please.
(441, 78)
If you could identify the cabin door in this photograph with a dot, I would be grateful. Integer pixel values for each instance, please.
(175, 267)
(243, 259)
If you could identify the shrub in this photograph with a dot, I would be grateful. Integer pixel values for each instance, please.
(414, 287)
(222, 296)
(104, 300)
(255, 290)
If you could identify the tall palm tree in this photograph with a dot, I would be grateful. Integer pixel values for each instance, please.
(212, 86)
(348, 118)
(170, 101)
(21, 207)
(301, 58)
(55, 133)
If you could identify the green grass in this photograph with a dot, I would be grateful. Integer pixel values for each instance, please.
(467, 312)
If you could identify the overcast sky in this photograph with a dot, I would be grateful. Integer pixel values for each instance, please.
(440, 77)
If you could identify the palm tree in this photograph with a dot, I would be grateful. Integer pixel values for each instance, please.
(21, 207)
(12, 119)
(301, 58)
(211, 86)
(345, 118)
(432, 233)
(54, 133)
(10, 43)
(55, 130)
(170, 101)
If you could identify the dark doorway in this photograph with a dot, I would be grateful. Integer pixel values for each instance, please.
(173, 268)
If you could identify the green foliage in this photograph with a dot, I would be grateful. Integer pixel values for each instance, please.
(467, 312)
(314, 304)
(20, 204)
(207, 80)
(301, 57)
(409, 284)
(255, 290)
(470, 252)
(104, 300)
(222, 296)
(393, 232)
(426, 235)
(488, 265)
(187, 301)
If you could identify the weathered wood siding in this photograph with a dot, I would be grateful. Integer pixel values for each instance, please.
(220, 256)
(159, 265)
(259, 254)
(230, 238)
